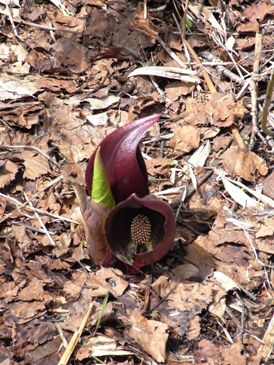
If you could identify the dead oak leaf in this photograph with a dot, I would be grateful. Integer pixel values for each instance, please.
(259, 11)
(184, 296)
(158, 165)
(8, 171)
(33, 291)
(221, 111)
(35, 164)
(106, 280)
(266, 228)
(149, 334)
(208, 353)
(268, 185)
(245, 164)
(185, 138)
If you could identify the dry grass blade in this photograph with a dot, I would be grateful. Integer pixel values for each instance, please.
(266, 349)
(75, 338)
(253, 88)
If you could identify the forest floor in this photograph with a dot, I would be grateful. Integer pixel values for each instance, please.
(71, 73)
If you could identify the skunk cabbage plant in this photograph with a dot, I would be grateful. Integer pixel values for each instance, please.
(133, 227)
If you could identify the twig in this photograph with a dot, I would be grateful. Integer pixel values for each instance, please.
(18, 204)
(11, 21)
(207, 78)
(36, 149)
(268, 339)
(238, 138)
(30, 228)
(253, 89)
(212, 90)
(184, 20)
(41, 222)
(267, 103)
(220, 68)
(170, 52)
(75, 338)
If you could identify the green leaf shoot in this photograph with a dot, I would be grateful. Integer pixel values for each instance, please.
(100, 190)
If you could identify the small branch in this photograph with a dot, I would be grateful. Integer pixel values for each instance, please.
(19, 205)
(12, 22)
(207, 78)
(184, 20)
(75, 338)
(36, 149)
(253, 89)
(52, 243)
(267, 103)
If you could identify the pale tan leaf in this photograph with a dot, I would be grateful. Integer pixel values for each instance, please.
(35, 164)
(8, 171)
(245, 164)
(149, 334)
(185, 138)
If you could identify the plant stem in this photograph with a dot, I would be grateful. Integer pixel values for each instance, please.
(267, 103)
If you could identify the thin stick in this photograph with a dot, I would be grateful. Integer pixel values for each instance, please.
(75, 338)
(253, 89)
(220, 68)
(267, 103)
(19, 205)
(268, 340)
(212, 90)
(36, 149)
(12, 21)
(170, 52)
(52, 243)
(207, 78)
(184, 19)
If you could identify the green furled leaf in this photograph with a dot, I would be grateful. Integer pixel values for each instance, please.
(100, 191)
(189, 22)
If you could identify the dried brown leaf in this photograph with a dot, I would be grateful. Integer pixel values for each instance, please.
(194, 328)
(249, 27)
(157, 166)
(149, 334)
(8, 171)
(234, 355)
(245, 164)
(208, 353)
(198, 295)
(185, 138)
(106, 280)
(35, 164)
(174, 91)
(268, 185)
(221, 111)
(94, 217)
(266, 228)
(259, 11)
(33, 291)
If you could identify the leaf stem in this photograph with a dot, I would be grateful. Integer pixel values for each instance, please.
(267, 103)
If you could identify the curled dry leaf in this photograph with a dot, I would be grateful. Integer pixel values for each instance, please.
(268, 185)
(94, 217)
(35, 164)
(221, 111)
(243, 163)
(106, 280)
(259, 11)
(8, 171)
(198, 295)
(149, 334)
(185, 138)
